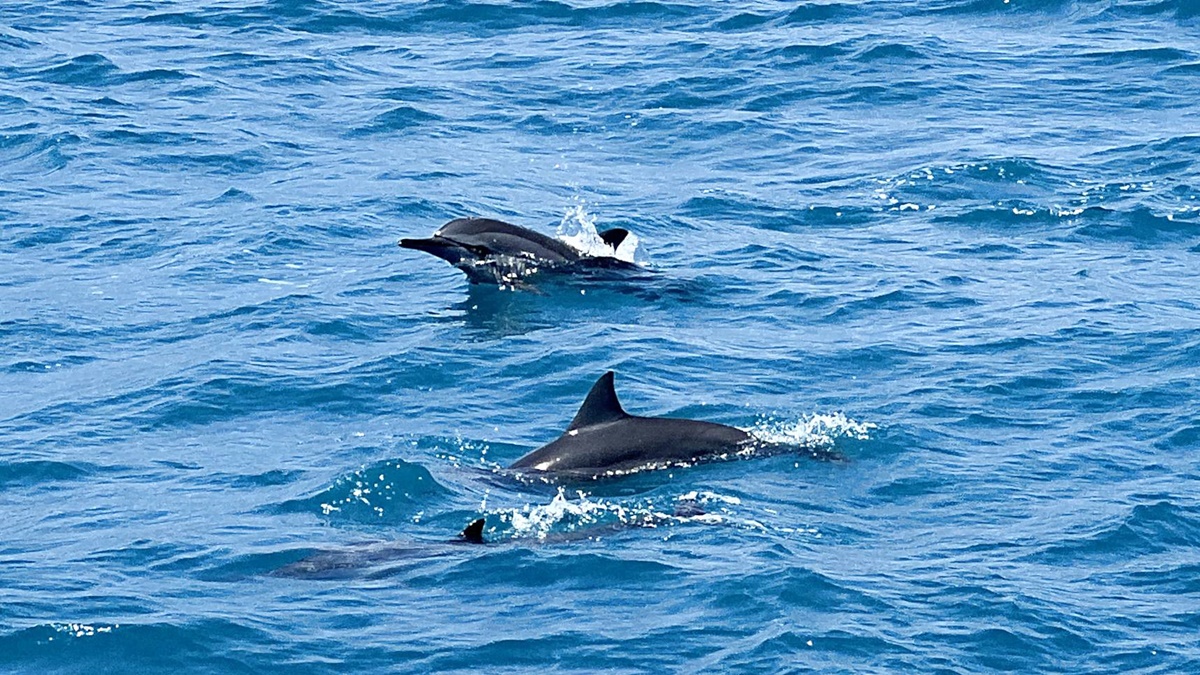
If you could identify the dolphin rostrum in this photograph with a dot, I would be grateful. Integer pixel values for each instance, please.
(604, 439)
(492, 251)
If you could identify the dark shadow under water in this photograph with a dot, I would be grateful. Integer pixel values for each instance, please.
(551, 299)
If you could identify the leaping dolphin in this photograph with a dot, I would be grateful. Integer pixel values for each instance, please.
(604, 439)
(492, 251)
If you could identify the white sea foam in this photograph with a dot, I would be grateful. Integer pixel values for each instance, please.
(80, 630)
(812, 430)
(583, 514)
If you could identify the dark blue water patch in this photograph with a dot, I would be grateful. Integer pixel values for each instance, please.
(246, 161)
(233, 196)
(162, 647)
(1155, 55)
(538, 123)
(893, 300)
(742, 21)
(89, 70)
(733, 207)
(9, 40)
(47, 152)
(1166, 160)
(155, 75)
(401, 118)
(1149, 529)
(17, 474)
(109, 102)
(800, 55)
(691, 93)
(385, 493)
(413, 92)
(990, 251)
(39, 367)
(891, 53)
(1157, 574)
(1184, 70)
(496, 17)
(990, 8)
(1141, 225)
(12, 103)
(911, 489)
(143, 554)
(136, 135)
(891, 92)
(486, 18)
(1185, 438)
(265, 479)
(822, 12)
(1185, 11)
(242, 391)
(555, 567)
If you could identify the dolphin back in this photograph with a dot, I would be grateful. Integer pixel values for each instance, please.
(603, 437)
(496, 237)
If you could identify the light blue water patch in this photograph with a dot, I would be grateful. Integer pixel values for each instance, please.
(946, 249)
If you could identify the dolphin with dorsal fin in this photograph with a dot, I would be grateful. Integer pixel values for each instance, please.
(493, 251)
(603, 438)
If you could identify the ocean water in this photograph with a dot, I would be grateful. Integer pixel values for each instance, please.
(947, 248)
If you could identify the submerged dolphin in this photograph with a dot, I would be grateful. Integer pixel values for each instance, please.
(492, 251)
(603, 438)
(363, 558)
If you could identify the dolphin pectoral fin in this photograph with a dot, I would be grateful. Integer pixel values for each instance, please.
(473, 533)
(601, 405)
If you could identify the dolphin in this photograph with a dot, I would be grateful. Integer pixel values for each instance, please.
(603, 439)
(492, 251)
(355, 560)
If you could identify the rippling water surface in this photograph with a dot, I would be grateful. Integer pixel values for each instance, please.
(950, 244)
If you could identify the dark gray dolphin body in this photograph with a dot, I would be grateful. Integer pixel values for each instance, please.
(603, 438)
(492, 251)
(357, 560)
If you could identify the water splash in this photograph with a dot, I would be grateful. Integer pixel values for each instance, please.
(578, 230)
(583, 517)
(81, 630)
(815, 430)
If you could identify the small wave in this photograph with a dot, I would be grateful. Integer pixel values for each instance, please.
(98, 647)
(1149, 528)
(988, 7)
(390, 491)
(446, 15)
(891, 52)
(742, 21)
(49, 151)
(38, 472)
(812, 12)
(400, 118)
(1151, 54)
(86, 70)
(1186, 11)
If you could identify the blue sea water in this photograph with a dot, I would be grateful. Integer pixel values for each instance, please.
(950, 246)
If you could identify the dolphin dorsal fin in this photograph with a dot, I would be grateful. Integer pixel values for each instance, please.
(601, 405)
(473, 533)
